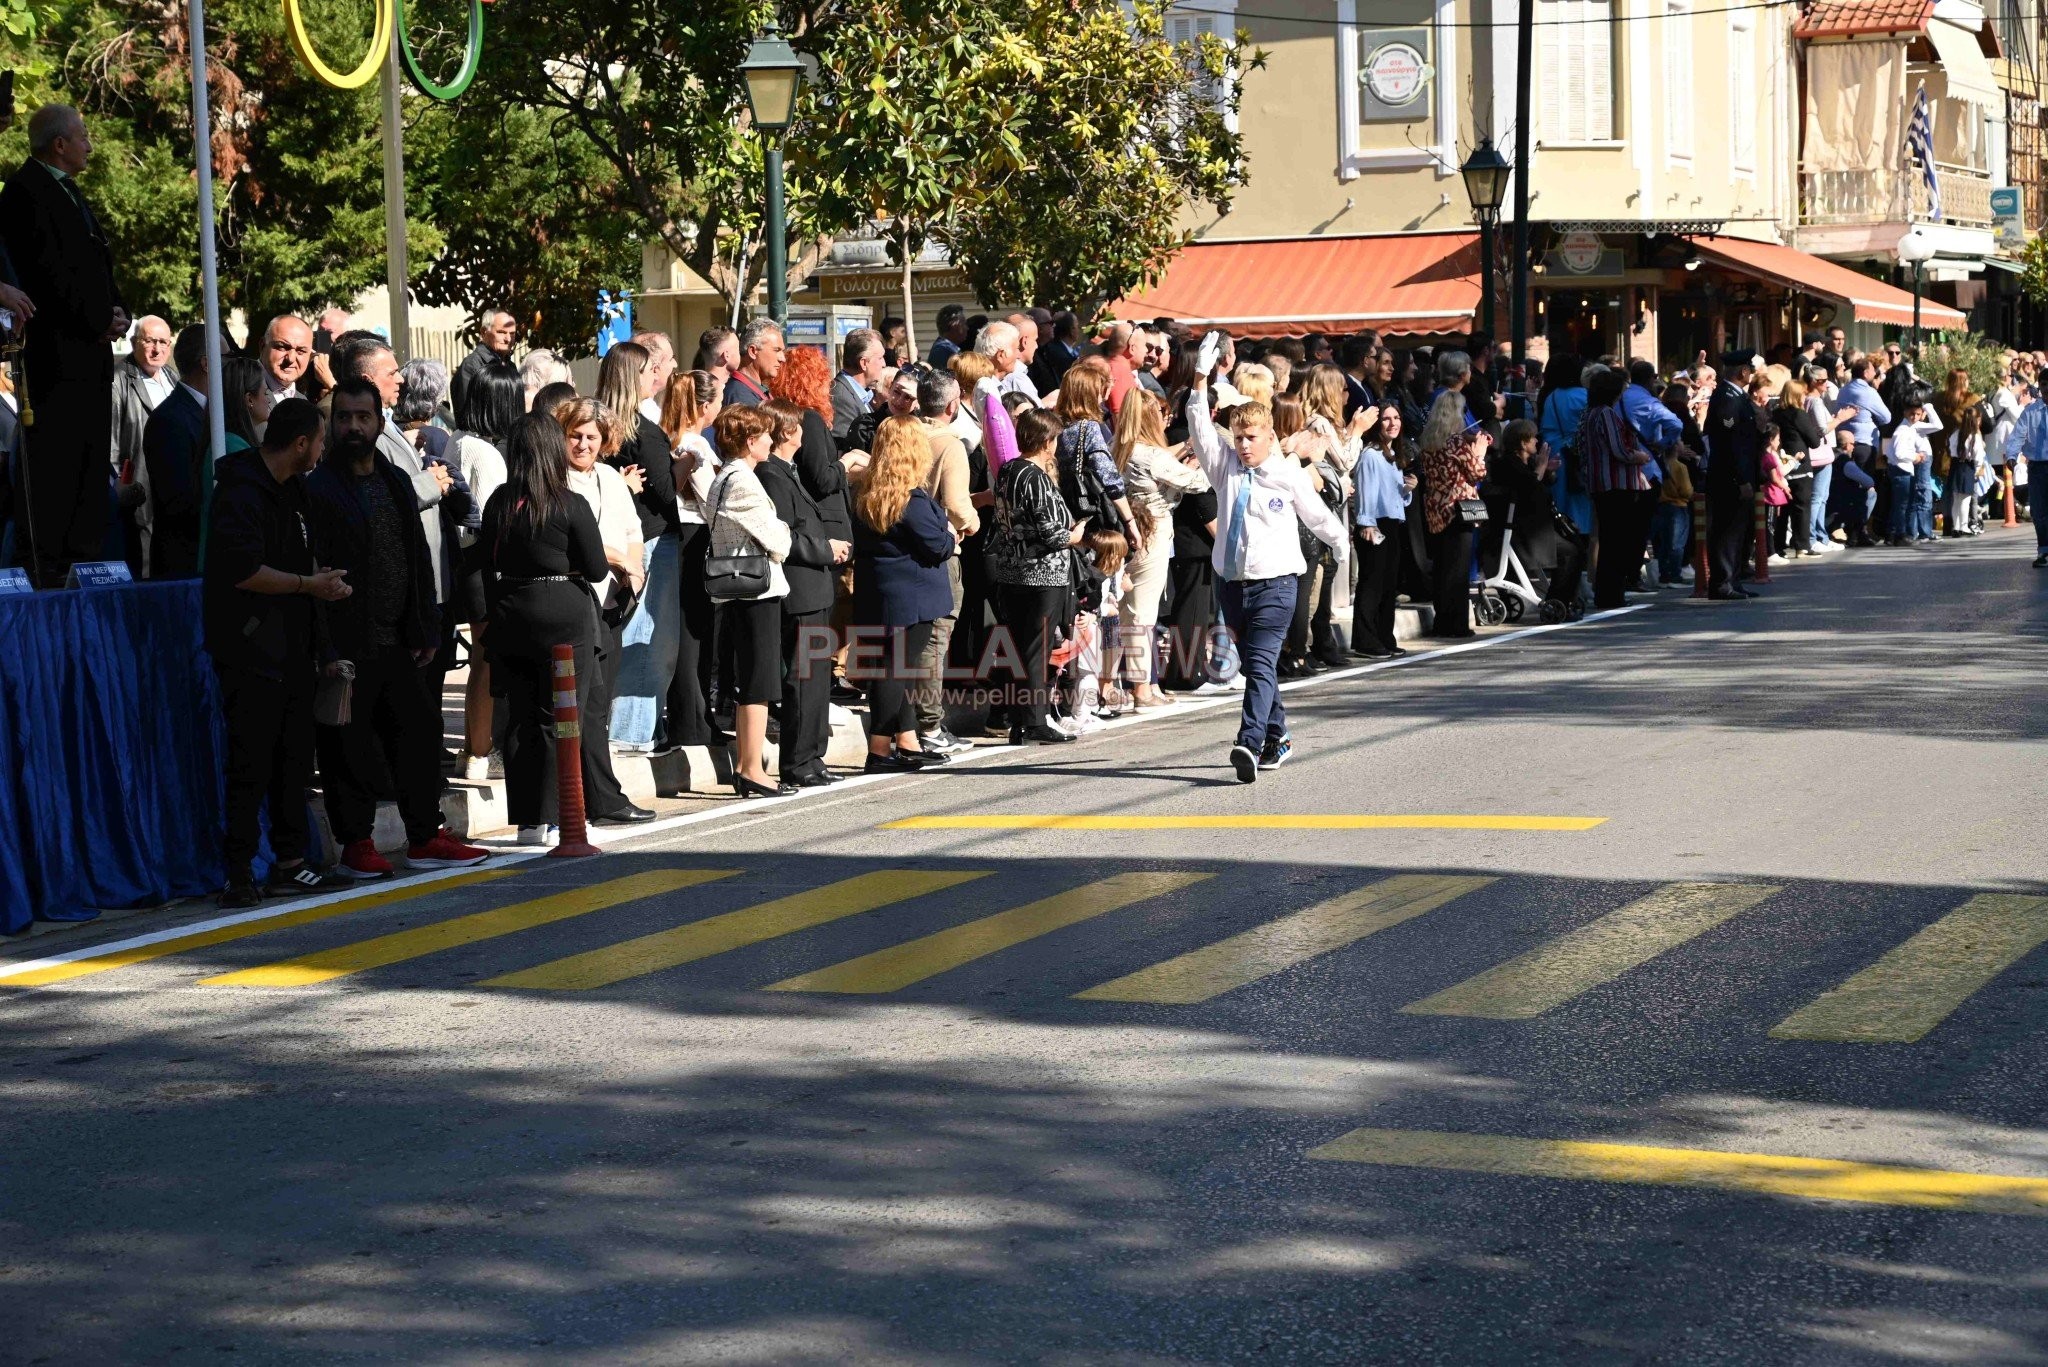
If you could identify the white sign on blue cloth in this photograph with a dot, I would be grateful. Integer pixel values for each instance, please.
(97, 574)
(15, 581)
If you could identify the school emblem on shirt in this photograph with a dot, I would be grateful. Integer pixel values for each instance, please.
(1276, 504)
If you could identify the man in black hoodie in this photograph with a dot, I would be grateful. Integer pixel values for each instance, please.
(265, 630)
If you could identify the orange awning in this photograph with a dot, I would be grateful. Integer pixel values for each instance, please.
(1869, 300)
(1398, 283)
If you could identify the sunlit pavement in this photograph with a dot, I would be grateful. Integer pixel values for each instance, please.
(1664, 989)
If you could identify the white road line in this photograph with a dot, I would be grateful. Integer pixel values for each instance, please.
(813, 796)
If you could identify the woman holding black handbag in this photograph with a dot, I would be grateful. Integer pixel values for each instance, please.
(901, 543)
(744, 573)
(1453, 463)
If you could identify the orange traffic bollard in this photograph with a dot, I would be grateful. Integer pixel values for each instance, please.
(569, 760)
(1763, 542)
(2012, 509)
(1700, 571)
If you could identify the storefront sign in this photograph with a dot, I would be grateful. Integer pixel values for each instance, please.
(1394, 75)
(1583, 256)
(889, 284)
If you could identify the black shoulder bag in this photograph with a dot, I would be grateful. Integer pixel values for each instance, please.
(737, 576)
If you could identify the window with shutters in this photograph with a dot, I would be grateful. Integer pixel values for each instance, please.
(1744, 97)
(1575, 59)
(1187, 24)
(1677, 40)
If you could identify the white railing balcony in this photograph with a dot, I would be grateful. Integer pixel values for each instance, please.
(1835, 198)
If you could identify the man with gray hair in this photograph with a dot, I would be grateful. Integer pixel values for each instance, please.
(61, 260)
(761, 353)
(860, 372)
(496, 331)
(1002, 344)
(141, 381)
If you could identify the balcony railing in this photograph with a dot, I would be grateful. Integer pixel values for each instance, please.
(1833, 198)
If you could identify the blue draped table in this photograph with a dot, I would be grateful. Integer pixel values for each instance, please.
(110, 746)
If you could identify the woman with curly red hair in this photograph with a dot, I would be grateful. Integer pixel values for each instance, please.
(806, 383)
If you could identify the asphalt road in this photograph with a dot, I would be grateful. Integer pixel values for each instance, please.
(1750, 1071)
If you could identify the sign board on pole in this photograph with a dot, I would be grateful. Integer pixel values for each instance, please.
(2006, 221)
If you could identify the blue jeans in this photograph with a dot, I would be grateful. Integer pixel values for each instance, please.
(1258, 613)
(1823, 481)
(1923, 501)
(1670, 530)
(1900, 483)
(647, 660)
(2037, 502)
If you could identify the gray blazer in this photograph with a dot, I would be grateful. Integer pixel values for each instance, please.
(847, 404)
(400, 452)
(745, 522)
(131, 413)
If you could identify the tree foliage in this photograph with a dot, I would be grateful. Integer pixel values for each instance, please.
(1131, 132)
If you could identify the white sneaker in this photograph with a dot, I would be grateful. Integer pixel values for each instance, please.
(546, 836)
(1777, 560)
(495, 766)
(1210, 689)
(476, 769)
(1237, 684)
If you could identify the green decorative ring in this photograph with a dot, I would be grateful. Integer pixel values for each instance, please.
(472, 54)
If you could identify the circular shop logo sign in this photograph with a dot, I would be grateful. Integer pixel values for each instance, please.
(1580, 252)
(1395, 73)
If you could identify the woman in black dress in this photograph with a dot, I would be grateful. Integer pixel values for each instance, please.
(542, 555)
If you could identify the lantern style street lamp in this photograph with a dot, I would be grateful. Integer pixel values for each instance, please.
(1916, 249)
(774, 74)
(1486, 174)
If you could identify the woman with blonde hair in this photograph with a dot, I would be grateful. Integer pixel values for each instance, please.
(901, 543)
(1156, 477)
(1089, 480)
(1254, 381)
(689, 407)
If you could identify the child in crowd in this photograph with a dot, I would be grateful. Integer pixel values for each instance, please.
(1671, 530)
(1098, 694)
(1906, 454)
(1777, 489)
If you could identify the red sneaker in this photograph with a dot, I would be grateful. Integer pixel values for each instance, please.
(444, 851)
(361, 861)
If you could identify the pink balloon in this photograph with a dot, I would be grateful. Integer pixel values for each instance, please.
(998, 433)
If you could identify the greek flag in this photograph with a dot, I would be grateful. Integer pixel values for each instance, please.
(1920, 139)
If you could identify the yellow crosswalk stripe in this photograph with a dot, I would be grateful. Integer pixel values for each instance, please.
(732, 930)
(1920, 983)
(1552, 974)
(1822, 1179)
(887, 970)
(1264, 950)
(220, 935)
(463, 930)
(1312, 821)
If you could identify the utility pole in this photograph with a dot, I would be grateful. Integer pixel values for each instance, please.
(1518, 305)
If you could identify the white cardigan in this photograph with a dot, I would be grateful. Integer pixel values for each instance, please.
(745, 523)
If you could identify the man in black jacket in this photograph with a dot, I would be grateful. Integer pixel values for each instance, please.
(495, 335)
(176, 445)
(1735, 432)
(64, 264)
(266, 629)
(365, 523)
(807, 643)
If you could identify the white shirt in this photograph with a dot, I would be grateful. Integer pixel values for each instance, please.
(651, 411)
(1908, 444)
(690, 504)
(198, 395)
(1281, 500)
(611, 503)
(1018, 381)
(156, 388)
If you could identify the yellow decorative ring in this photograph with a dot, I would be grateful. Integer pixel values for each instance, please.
(373, 60)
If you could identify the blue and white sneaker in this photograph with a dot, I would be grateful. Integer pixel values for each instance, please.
(1245, 762)
(1277, 752)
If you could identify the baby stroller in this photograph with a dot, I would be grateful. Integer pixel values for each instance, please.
(1509, 590)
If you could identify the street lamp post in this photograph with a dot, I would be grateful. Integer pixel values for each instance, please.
(774, 74)
(1916, 249)
(1486, 174)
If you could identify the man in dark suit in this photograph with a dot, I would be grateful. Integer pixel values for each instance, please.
(1735, 432)
(807, 642)
(63, 263)
(853, 388)
(175, 444)
(494, 338)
